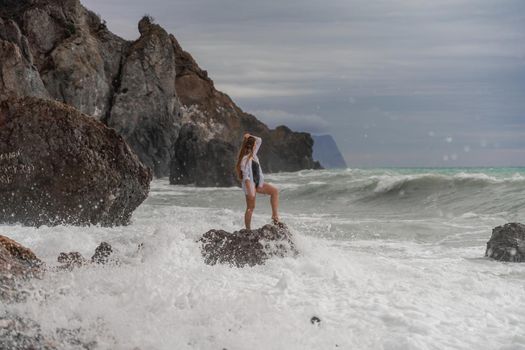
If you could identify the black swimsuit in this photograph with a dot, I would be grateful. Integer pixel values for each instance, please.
(255, 172)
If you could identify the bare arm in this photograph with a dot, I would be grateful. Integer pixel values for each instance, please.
(258, 141)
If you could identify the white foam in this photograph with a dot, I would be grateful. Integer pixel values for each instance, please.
(368, 293)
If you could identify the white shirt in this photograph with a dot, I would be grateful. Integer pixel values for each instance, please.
(246, 167)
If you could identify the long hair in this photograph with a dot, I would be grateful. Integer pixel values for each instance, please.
(246, 149)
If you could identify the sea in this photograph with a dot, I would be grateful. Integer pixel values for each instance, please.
(389, 259)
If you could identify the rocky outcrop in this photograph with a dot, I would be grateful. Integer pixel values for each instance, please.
(217, 126)
(128, 85)
(58, 166)
(201, 163)
(60, 50)
(18, 75)
(244, 247)
(145, 108)
(507, 243)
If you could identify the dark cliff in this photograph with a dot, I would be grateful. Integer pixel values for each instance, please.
(150, 90)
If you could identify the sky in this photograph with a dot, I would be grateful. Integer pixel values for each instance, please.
(397, 83)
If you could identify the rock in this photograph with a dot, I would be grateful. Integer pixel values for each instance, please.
(60, 50)
(146, 108)
(102, 253)
(75, 170)
(128, 85)
(245, 247)
(202, 163)
(507, 243)
(71, 260)
(17, 260)
(17, 264)
(18, 75)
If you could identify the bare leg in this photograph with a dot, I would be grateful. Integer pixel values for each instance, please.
(250, 205)
(274, 198)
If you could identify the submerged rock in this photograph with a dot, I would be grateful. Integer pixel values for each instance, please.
(102, 253)
(17, 260)
(245, 247)
(507, 243)
(17, 264)
(58, 166)
(73, 260)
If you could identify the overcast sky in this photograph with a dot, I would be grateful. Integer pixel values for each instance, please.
(397, 83)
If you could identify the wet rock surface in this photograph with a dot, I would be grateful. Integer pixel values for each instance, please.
(58, 166)
(17, 265)
(145, 108)
(103, 255)
(63, 51)
(202, 163)
(507, 243)
(244, 247)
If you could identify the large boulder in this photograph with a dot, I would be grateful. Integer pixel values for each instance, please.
(129, 85)
(245, 247)
(17, 260)
(58, 166)
(507, 243)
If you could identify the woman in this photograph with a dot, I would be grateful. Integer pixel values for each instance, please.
(250, 173)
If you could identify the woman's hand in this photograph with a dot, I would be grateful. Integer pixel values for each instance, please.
(246, 135)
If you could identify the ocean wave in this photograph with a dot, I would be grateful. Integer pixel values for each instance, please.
(388, 183)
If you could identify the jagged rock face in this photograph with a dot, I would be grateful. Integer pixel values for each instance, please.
(507, 243)
(68, 44)
(199, 162)
(128, 85)
(58, 166)
(145, 109)
(61, 50)
(18, 75)
(221, 120)
(244, 247)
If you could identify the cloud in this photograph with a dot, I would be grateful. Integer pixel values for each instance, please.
(392, 70)
(309, 123)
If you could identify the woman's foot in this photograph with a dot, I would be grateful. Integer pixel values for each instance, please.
(276, 220)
